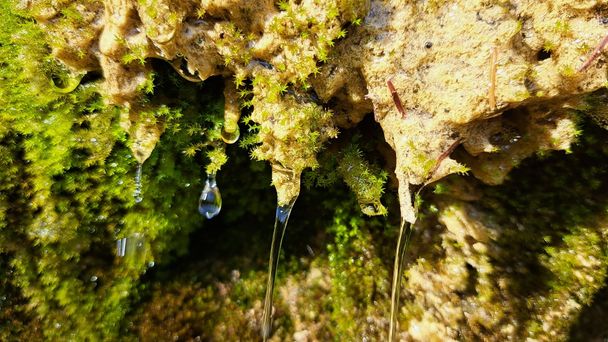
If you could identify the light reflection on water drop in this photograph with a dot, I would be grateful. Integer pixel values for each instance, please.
(137, 193)
(210, 202)
(371, 209)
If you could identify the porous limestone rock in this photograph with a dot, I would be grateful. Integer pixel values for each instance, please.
(456, 67)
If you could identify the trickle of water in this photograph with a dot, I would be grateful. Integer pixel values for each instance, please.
(280, 225)
(132, 247)
(210, 202)
(405, 233)
(121, 247)
(137, 193)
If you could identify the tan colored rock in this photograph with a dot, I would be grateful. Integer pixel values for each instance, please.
(459, 69)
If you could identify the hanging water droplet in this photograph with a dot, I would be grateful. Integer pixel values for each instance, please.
(94, 278)
(210, 202)
(230, 137)
(280, 225)
(137, 194)
(372, 209)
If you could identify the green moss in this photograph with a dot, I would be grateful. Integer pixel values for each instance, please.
(359, 278)
(67, 189)
(366, 182)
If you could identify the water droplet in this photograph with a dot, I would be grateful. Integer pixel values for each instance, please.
(151, 264)
(210, 202)
(230, 137)
(120, 182)
(137, 194)
(514, 139)
(94, 278)
(372, 209)
(280, 225)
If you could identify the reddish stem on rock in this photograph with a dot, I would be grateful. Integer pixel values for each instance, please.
(444, 155)
(594, 54)
(492, 92)
(396, 98)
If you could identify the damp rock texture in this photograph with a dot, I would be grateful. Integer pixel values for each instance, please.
(497, 77)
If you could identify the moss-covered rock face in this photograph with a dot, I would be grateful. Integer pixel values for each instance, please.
(90, 91)
(516, 261)
(452, 67)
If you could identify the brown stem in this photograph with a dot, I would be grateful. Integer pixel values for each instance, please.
(444, 155)
(396, 98)
(594, 54)
(492, 92)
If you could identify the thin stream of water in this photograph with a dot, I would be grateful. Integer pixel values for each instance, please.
(405, 233)
(137, 193)
(280, 225)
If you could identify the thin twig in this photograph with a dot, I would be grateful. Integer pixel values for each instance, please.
(492, 92)
(396, 98)
(444, 155)
(594, 54)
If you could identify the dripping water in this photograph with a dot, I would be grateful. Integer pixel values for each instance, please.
(210, 202)
(280, 225)
(132, 248)
(121, 247)
(137, 193)
(405, 233)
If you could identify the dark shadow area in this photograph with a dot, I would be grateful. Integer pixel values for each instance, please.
(544, 200)
(592, 325)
